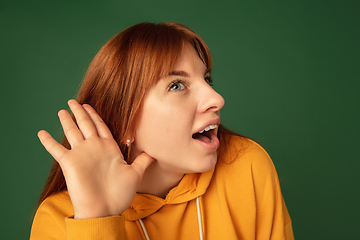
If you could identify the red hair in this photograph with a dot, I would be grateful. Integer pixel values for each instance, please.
(120, 74)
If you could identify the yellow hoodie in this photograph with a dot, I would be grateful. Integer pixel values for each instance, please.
(239, 199)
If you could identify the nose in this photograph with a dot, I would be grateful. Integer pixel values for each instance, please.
(210, 100)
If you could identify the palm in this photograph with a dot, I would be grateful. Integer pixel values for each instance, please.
(99, 181)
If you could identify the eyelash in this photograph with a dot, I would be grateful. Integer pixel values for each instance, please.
(208, 79)
(178, 81)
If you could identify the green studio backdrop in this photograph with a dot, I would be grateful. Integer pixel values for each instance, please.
(288, 70)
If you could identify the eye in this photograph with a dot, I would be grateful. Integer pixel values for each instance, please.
(209, 80)
(177, 85)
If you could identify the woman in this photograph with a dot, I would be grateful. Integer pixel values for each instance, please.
(147, 157)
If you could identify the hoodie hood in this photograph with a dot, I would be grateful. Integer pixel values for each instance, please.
(190, 187)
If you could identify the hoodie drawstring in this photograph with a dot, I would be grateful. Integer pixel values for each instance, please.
(144, 229)
(199, 221)
(199, 218)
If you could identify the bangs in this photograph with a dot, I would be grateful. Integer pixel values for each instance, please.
(160, 45)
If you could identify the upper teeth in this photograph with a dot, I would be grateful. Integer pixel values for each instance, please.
(209, 128)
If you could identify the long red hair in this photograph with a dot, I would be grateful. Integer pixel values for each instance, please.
(120, 74)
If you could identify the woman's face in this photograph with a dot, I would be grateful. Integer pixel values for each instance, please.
(175, 110)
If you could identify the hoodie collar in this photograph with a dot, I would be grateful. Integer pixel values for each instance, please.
(190, 187)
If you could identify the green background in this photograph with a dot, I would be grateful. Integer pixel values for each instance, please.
(288, 70)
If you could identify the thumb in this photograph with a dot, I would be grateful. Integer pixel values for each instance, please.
(141, 163)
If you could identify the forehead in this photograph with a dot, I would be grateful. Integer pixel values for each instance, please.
(189, 61)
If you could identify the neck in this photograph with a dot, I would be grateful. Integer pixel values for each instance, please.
(157, 181)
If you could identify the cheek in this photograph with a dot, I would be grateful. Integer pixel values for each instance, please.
(163, 128)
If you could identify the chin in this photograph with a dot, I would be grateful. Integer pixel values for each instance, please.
(206, 165)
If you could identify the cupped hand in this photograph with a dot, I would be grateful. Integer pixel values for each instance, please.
(99, 181)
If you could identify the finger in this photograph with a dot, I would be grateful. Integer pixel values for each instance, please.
(51, 145)
(86, 125)
(141, 163)
(100, 125)
(71, 131)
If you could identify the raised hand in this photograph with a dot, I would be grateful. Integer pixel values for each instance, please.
(99, 181)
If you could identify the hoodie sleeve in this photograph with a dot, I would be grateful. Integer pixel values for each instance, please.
(272, 218)
(53, 220)
(97, 228)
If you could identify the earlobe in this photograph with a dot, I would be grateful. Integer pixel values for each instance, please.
(129, 141)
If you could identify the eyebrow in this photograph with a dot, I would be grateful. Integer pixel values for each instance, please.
(184, 74)
(179, 73)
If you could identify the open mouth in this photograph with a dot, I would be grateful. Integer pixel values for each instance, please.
(205, 135)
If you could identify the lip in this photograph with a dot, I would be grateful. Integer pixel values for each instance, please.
(211, 146)
(215, 121)
(214, 145)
